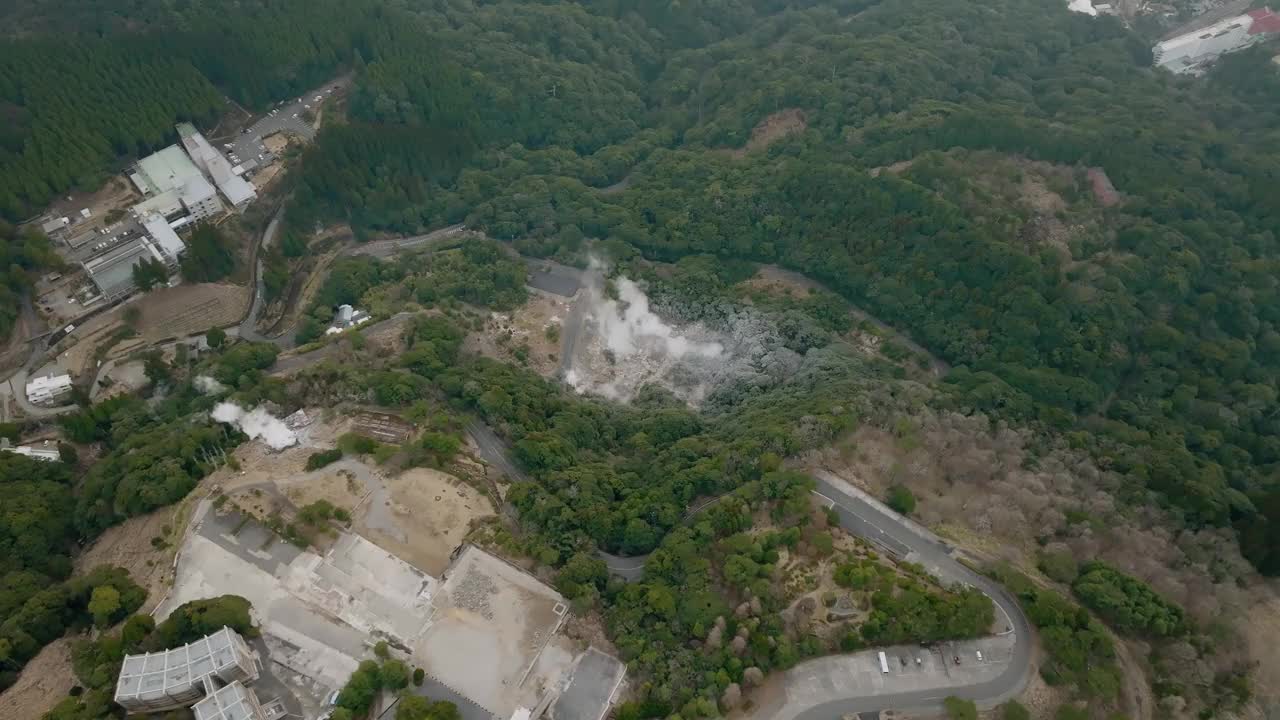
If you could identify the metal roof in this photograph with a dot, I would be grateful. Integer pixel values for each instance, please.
(233, 702)
(168, 169)
(153, 676)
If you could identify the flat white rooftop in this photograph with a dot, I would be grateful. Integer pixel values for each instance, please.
(155, 676)
(233, 702)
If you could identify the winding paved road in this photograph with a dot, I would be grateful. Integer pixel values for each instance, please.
(842, 685)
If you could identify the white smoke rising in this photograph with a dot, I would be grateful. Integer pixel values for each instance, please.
(629, 327)
(627, 346)
(208, 385)
(257, 423)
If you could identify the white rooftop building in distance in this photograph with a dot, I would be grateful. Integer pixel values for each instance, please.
(47, 452)
(1192, 52)
(238, 191)
(168, 169)
(180, 677)
(45, 390)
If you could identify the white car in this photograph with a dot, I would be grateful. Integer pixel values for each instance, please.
(979, 656)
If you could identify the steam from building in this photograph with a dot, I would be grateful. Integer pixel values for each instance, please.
(256, 423)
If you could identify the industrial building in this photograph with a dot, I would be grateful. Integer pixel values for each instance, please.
(174, 188)
(186, 676)
(112, 270)
(230, 702)
(1192, 52)
(238, 191)
(48, 390)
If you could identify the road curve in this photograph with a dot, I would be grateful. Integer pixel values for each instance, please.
(867, 517)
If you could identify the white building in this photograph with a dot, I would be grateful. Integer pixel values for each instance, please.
(1192, 52)
(47, 390)
(175, 188)
(182, 676)
(346, 318)
(231, 702)
(47, 452)
(238, 191)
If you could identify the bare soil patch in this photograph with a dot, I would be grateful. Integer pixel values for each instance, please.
(165, 313)
(775, 127)
(116, 193)
(1263, 620)
(145, 546)
(774, 280)
(531, 331)
(435, 510)
(44, 681)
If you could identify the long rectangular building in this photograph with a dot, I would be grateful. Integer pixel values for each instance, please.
(238, 191)
(154, 682)
(1192, 52)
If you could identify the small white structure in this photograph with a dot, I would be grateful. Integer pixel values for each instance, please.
(1082, 6)
(47, 390)
(346, 318)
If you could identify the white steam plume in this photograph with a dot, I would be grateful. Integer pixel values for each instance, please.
(626, 346)
(257, 423)
(208, 385)
(629, 327)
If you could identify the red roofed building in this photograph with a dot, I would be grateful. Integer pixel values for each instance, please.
(1264, 21)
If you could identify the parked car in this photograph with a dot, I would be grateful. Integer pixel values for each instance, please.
(956, 658)
(979, 656)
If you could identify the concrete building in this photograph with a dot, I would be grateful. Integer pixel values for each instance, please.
(48, 390)
(48, 452)
(56, 229)
(175, 188)
(112, 270)
(231, 702)
(182, 676)
(238, 191)
(1192, 52)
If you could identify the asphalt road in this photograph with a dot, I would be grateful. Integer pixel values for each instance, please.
(248, 326)
(869, 519)
(387, 248)
(493, 450)
(866, 517)
(286, 118)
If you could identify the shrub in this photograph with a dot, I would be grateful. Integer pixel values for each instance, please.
(902, 499)
(324, 457)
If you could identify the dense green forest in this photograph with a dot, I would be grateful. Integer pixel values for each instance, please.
(855, 141)
(23, 253)
(152, 456)
(1145, 335)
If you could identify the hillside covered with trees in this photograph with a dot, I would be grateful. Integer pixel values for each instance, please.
(895, 152)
